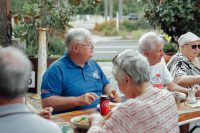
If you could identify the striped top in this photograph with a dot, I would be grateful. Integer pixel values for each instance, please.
(180, 65)
(153, 112)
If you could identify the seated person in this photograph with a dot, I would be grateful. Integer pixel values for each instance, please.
(184, 65)
(75, 81)
(151, 46)
(147, 109)
(15, 116)
(45, 113)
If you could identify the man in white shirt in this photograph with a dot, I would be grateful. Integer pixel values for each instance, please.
(151, 46)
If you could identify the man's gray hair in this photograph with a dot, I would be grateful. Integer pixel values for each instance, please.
(132, 63)
(15, 72)
(148, 41)
(76, 35)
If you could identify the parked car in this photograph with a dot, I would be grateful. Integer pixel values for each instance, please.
(133, 17)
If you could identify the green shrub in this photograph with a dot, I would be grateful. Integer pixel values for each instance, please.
(170, 48)
(142, 23)
(109, 28)
(127, 25)
(56, 46)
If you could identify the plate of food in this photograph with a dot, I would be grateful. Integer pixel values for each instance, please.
(82, 122)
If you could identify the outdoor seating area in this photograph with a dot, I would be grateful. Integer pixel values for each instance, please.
(99, 66)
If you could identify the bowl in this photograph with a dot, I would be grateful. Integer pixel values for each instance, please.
(81, 122)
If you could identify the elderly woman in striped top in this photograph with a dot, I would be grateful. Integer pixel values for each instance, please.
(146, 109)
(184, 65)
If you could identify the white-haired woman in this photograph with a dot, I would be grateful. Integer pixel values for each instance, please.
(147, 109)
(185, 66)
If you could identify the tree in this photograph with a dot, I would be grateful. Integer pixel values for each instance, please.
(174, 17)
(120, 10)
(5, 23)
(105, 9)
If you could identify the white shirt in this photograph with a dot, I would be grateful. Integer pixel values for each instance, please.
(161, 68)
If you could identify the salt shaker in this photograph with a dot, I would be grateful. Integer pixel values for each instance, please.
(191, 96)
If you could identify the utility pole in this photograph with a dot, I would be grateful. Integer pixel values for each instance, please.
(5, 23)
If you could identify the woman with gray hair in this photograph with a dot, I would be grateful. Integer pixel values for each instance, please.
(185, 65)
(147, 109)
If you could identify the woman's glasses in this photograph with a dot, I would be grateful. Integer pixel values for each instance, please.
(194, 46)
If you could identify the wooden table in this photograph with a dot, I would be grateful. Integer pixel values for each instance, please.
(66, 117)
(186, 115)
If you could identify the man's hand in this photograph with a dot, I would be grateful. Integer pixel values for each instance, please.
(87, 98)
(46, 113)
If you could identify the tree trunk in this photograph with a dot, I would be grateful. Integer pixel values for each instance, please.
(106, 10)
(111, 9)
(120, 10)
(5, 23)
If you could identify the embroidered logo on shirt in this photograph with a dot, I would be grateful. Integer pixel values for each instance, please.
(45, 91)
(95, 75)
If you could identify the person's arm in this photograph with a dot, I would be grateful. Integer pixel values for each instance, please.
(111, 123)
(46, 112)
(60, 103)
(187, 81)
(174, 87)
(108, 90)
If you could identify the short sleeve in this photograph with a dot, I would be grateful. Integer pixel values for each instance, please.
(51, 82)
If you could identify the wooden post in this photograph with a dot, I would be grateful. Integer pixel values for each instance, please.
(42, 60)
(5, 23)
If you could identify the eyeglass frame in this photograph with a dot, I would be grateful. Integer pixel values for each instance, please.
(194, 46)
(114, 61)
(91, 44)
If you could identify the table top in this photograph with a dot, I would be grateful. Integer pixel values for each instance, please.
(186, 114)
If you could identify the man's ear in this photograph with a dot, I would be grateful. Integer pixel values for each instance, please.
(74, 48)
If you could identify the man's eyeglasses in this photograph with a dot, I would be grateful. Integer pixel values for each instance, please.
(194, 46)
(90, 44)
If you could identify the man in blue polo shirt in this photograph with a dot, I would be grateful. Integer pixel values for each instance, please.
(74, 81)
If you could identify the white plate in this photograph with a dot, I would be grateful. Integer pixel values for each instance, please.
(80, 126)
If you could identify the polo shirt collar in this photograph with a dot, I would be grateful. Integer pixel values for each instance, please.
(71, 64)
(11, 108)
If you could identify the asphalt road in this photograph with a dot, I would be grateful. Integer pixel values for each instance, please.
(106, 50)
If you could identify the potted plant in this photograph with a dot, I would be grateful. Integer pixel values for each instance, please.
(170, 48)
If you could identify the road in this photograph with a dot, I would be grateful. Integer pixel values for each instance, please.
(106, 50)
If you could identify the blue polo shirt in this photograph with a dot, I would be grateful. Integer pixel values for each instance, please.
(65, 78)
